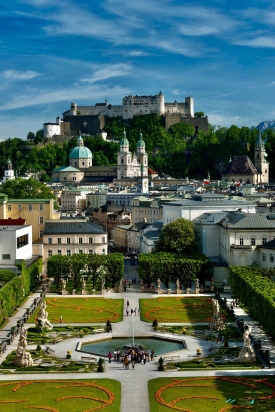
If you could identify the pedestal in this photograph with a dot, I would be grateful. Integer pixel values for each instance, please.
(179, 291)
(159, 291)
(247, 355)
(64, 292)
(103, 291)
(141, 288)
(212, 288)
(187, 290)
(197, 290)
(83, 292)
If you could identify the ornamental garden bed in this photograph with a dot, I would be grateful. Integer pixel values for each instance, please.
(208, 394)
(46, 364)
(60, 395)
(230, 333)
(178, 309)
(59, 333)
(82, 310)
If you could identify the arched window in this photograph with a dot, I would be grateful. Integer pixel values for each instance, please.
(258, 156)
(253, 241)
(91, 252)
(68, 253)
(103, 239)
(248, 181)
(50, 253)
(121, 160)
(80, 251)
(59, 252)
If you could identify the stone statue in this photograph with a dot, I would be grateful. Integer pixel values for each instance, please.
(102, 283)
(246, 335)
(83, 283)
(159, 283)
(64, 282)
(178, 284)
(197, 283)
(216, 307)
(22, 358)
(42, 318)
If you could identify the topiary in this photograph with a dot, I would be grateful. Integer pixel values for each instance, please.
(161, 367)
(100, 365)
(38, 348)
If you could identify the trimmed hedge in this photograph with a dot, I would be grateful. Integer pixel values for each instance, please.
(257, 293)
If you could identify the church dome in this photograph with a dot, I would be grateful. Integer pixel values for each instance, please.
(141, 142)
(124, 141)
(80, 151)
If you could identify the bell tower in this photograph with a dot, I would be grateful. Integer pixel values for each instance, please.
(8, 172)
(260, 161)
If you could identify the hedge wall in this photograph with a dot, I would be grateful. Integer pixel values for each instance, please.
(12, 293)
(257, 293)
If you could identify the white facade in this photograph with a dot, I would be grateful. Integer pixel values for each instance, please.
(8, 172)
(122, 198)
(96, 199)
(73, 200)
(51, 129)
(15, 243)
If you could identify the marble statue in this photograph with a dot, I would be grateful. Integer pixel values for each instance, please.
(22, 358)
(246, 336)
(64, 282)
(178, 284)
(159, 282)
(42, 318)
(197, 283)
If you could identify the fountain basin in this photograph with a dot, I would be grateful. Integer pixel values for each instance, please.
(158, 344)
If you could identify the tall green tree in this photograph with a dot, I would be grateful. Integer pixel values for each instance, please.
(26, 189)
(58, 267)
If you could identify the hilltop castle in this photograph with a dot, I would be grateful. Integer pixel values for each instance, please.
(90, 119)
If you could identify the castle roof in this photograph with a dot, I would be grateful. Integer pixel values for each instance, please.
(241, 165)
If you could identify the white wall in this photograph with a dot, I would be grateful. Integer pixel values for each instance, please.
(8, 243)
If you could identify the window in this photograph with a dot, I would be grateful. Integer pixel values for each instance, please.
(121, 160)
(68, 253)
(41, 208)
(68, 240)
(90, 240)
(59, 252)
(253, 241)
(22, 241)
(263, 257)
(40, 234)
(103, 239)
(271, 258)
(6, 256)
(103, 251)
(50, 253)
(264, 240)
(83, 163)
(74, 178)
(241, 241)
(9, 208)
(50, 241)
(80, 251)
(41, 220)
(30, 208)
(59, 240)
(80, 240)
(20, 207)
(90, 252)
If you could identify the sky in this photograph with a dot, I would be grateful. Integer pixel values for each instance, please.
(54, 52)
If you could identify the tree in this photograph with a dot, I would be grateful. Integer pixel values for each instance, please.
(199, 114)
(115, 268)
(26, 189)
(58, 267)
(31, 136)
(177, 237)
(77, 263)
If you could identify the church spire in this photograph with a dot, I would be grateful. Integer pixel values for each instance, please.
(259, 137)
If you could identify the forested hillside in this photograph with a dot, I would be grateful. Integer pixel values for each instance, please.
(178, 151)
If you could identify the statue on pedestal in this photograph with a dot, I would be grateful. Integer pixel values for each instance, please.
(64, 282)
(42, 318)
(178, 284)
(159, 283)
(22, 358)
(197, 283)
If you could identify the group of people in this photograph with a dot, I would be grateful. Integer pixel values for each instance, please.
(128, 310)
(132, 355)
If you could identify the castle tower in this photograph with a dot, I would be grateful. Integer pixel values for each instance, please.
(260, 161)
(8, 172)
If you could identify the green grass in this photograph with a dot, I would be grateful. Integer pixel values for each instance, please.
(40, 395)
(36, 336)
(177, 309)
(82, 310)
(208, 394)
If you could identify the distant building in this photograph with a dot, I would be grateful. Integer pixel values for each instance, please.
(8, 172)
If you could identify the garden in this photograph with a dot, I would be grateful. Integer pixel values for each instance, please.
(82, 310)
(208, 394)
(61, 395)
(177, 309)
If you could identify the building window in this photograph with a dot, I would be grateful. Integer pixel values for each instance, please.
(253, 241)
(41, 220)
(263, 257)
(22, 241)
(68, 240)
(121, 160)
(41, 208)
(30, 208)
(68, 253)
(40, 233)
(74, 178)
(241, 241)
(59, 252)
(6, 256)
(80, 240)
(9, 208)
(83, 163)
(59, 240)
(103, 251)
(271, 258)
(90, 240)
(50, 253)
(103, 239)
(19, 207)
(264, 240)
(50, 241)
(80, 251)
(90, 252)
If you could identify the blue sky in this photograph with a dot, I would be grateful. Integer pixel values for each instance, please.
(53, 52)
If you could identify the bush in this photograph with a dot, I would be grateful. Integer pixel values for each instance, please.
(38, 348)
(161, 367)
(100, 365)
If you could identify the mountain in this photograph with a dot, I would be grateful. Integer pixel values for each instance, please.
(267, 124)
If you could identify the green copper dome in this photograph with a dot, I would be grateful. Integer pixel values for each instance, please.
(141, 142)
(80, 151)
(124, 141)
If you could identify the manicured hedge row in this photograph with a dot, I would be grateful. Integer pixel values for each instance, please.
(257, 293)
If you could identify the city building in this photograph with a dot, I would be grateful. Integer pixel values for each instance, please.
(8, 172)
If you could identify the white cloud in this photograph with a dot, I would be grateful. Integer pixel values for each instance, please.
(19, 75)
(107, 72)
(261, 41)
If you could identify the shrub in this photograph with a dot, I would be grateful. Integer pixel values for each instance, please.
(38, 348)
(100, 365)
(161, 367)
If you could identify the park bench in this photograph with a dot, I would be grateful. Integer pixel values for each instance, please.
(88, 359)
(171, 358)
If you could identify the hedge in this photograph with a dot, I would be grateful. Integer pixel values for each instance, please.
(257, 293)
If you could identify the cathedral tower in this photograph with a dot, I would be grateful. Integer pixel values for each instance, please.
(260, 161)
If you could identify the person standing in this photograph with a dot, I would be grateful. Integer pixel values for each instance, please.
(109, 356)
(127, 311)
(61, 319)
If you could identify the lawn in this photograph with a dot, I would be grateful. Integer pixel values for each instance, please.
(208, 394)
(177, 309)
(82, 310)
(60, 395)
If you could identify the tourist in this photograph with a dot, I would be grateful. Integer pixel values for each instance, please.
(152, 355)
(135, 311)
(132, 311)
(144, 359)
(133, 363)
(109, 356)
(115, 355)
(127, 311)
(128, 303)
(124, 288)
(61, 319)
